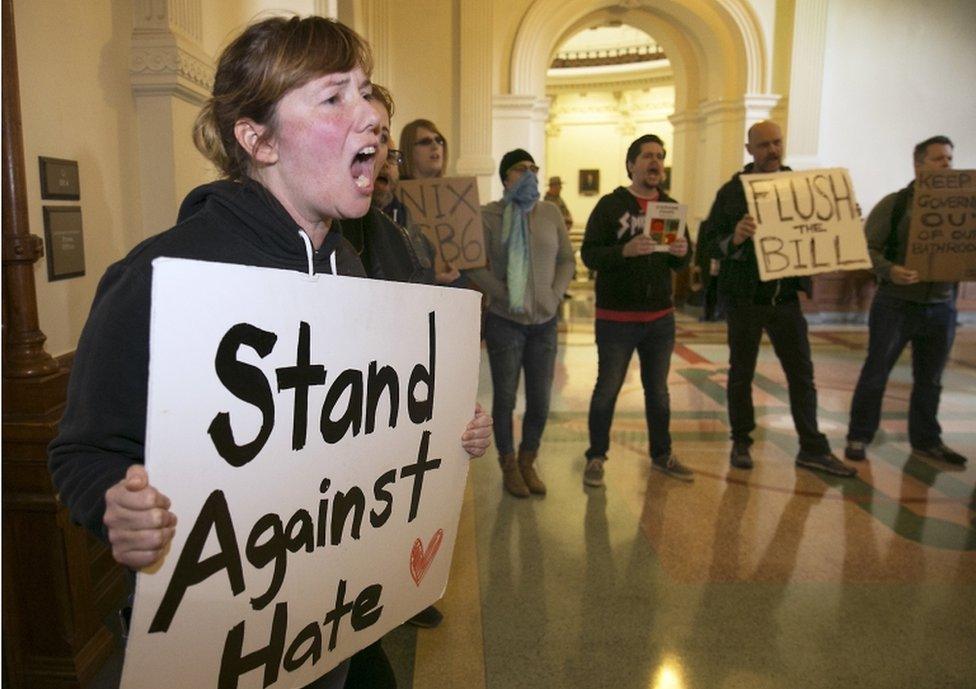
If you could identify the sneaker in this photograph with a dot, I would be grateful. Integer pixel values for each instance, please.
(940, 453)
(826, 462)
(593, 475)
(428, 618)
(670, 465)
(856, 450)
(740, 457)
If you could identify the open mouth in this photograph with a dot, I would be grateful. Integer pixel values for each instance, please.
(362, 167)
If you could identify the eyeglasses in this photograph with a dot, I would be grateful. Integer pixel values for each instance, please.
(524, 167)
(394, 156)
(427, 141)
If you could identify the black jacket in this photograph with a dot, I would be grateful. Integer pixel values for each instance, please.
(739, 273)
(636, 283)
(103, 429)
(385, 248)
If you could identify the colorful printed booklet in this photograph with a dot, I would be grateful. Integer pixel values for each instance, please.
(665, 222)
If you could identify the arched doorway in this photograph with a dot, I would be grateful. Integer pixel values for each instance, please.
(721, 73)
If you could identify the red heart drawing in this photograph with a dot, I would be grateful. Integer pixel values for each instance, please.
(420, 559)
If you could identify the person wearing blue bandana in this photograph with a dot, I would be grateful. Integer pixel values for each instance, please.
(530, 264)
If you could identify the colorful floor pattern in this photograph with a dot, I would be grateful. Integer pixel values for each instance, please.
(777, 577)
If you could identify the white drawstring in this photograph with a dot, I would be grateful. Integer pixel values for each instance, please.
(309, 252)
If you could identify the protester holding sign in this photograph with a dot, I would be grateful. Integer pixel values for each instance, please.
(291, 128)
(530, 265)
(425, 157)
(634, 309)
(774, 307)
(904, 310)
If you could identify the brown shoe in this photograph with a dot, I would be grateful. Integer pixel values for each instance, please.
(511, 476)
(532, 480)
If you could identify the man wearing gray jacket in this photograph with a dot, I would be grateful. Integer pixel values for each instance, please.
(530, 264)
(905, 309)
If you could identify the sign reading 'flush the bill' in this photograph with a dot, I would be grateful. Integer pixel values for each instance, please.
(807, 223)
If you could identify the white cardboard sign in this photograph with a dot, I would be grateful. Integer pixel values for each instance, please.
(808, 222)
(307, 430)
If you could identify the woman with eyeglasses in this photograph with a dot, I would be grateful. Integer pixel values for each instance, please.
(424, 151)
(424, 156)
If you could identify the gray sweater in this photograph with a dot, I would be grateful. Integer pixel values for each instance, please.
(551, 257)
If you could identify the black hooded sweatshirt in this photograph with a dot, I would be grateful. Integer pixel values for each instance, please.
(103, 429)
(636, 283)
(739, 274)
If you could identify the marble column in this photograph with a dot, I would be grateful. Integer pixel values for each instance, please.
(475, 106)
(171, 76)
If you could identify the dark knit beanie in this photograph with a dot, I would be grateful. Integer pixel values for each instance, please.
(513, 158)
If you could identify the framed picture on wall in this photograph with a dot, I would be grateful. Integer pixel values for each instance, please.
(666, 184)
(589, 182)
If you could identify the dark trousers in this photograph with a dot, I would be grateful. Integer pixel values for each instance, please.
(713, 307)
(892, 324)
(514, 348)
(370, 669)
(615, 344)
(787, 330)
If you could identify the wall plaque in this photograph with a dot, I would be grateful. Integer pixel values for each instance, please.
(59, 179)
(65, 243)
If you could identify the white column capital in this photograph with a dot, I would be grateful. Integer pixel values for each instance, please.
(169, 16)
(165, 55)
(681, 120)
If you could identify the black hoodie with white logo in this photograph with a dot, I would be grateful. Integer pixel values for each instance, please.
(103, 429)
(635, 283)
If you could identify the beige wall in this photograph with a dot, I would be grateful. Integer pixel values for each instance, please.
(424, 66)
(589, 131)
(76, 104)
(895, 74)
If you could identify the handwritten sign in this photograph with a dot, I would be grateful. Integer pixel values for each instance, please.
(942, 233)
(664, 222)
(314, 463)
(448, 212)
(807, 223)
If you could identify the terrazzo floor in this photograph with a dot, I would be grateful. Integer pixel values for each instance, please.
(775, 577)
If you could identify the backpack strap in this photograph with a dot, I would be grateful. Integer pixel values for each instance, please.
(897, 213)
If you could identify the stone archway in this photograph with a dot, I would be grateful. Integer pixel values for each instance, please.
(722, 78)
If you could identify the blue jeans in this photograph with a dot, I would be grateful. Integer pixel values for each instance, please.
(615, 343)
(893, 323)
(512, 348)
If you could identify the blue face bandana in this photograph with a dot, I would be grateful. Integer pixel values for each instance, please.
(519, 200)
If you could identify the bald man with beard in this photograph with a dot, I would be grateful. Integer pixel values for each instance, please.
(755, 307)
